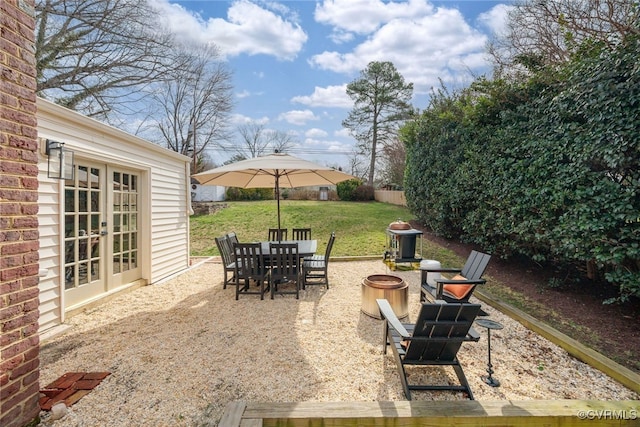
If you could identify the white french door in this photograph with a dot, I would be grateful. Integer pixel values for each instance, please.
(101, 237)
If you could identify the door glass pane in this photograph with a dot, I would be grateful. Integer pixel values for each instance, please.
(95, 270)
(69, 252)
(95, 178)
(69, 226)
(82, 201)
(116, 264)
(116, 244)
(69, 199)
(83, 224)
(82, 249)
(95, 201)
(82, 177)
(83, 275)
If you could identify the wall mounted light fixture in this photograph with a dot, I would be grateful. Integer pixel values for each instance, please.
(60, 160)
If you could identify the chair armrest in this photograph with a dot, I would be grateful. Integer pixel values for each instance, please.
(392, 320)
(460, 282)
(442, 270)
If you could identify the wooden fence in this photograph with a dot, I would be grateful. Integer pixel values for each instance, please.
(391, 196)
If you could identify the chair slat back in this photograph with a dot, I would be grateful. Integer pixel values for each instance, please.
(277, 234)
(301, 234)
(284, 260)
(327, 252)
(249, 260)
(222, 244)
(440, 330)
(233, 238)
(476, 265)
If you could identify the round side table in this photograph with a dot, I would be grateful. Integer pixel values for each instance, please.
(489, 324)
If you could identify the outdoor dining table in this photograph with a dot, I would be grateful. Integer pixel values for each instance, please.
(306, 248)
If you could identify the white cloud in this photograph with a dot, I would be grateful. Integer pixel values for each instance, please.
(297, 117)
(243, 94)
(496, 18)
(240, 119)
(249, 29)
(313, 145)
(330, 96)
(315, 133)
(424, 49)
(366, 16)
(343, 133)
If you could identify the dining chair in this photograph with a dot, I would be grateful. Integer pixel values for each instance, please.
(301, 234)
(232, 238)
(250, 269)
(228, 260)
(315, 268)
(277, 234)
(284, 275)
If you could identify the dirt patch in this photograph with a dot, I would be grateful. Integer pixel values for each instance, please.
(575, 309)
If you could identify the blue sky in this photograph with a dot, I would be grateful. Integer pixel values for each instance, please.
(291, 60)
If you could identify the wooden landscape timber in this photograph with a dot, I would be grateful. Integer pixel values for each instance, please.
(550, 413)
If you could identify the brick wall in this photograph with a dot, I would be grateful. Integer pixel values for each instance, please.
(19, 342)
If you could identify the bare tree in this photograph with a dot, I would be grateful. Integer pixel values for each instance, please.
(381, 99)
(253, 143)
(256, 140)
(548, 32)
(394, 159)
(282, 142)
(195, 103)
(358, 165)
(90, 53)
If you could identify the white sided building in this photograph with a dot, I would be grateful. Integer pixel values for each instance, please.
(120, 222)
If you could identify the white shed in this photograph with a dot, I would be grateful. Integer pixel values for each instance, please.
(121, 222)
(206, 193)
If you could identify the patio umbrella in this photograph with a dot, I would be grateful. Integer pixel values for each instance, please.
(275, 170)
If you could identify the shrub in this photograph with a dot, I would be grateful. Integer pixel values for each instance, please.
(364, 193)
(347, 189)
(239, 194)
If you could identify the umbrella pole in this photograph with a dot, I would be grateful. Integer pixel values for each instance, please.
(278, 197)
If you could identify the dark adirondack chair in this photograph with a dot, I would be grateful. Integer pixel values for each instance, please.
(315, 269)
(460, 287)
(228, 260)
(434, 340)
(250, 269)
(285, 269)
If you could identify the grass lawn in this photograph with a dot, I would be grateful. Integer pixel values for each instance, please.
(359, 226)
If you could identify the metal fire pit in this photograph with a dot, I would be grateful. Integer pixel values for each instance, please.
(392, 288)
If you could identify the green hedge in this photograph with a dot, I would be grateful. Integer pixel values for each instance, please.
(548, 168)
(239, 194)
